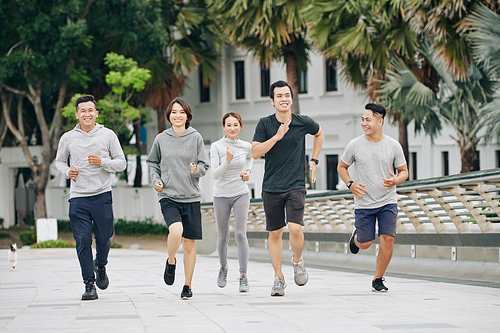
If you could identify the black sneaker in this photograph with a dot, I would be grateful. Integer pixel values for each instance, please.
(186, 292)
(169, 275)
(90, 293)
(101, 279)
(378, 285)
(352, 246)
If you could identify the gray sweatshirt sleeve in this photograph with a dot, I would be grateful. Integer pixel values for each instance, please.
(153, 161)
(217, 170)
(117, 161)
(202, 163)
(62, 158)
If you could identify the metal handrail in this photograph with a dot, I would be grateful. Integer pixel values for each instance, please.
(464, 204)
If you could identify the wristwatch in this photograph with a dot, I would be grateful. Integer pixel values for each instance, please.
(349, 183)
(315, 161)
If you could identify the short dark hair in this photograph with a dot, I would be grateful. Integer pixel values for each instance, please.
(185, 107)
(279, 83)
(83, 99)
(231, 114)
(376, 108)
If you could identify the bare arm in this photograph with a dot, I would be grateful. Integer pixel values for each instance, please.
(317, 144)
(358, 189)
(396, 180)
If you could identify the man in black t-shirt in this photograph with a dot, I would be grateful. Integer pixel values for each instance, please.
(281, 138)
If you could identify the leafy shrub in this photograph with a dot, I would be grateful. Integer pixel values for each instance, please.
(116, 246)
(126, 228)
(28, 237)
(138, 228)
(53, 244)
(4, 235)
(63, 226)
(29, 221)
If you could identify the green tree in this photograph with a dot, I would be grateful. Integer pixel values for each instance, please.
(362, 37)
(440, 21)
(462, 103)
(402, 93)
(190, 37)
(118, 110)
(40, 45)
(271, 30)
(484, 27)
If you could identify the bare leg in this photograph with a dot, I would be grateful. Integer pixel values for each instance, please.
(296, 240)
(174, 240)
(275, 247)
(362, 246)
(189, 259)
(384, 255)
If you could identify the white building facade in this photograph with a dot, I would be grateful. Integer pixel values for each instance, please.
(242, 86)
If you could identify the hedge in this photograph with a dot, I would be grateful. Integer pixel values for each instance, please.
(126, 228)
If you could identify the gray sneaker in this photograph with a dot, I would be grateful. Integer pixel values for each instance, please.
(222, 278)
(278, 287)
(299, 273)
(244, 284)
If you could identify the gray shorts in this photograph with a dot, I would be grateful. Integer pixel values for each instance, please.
(289, 204)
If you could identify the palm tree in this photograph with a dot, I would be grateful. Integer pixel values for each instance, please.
(271, 30)
(462, 104)
(404, 94)
(484, 25)
(363, 36)
(192, 37)
(441, 21)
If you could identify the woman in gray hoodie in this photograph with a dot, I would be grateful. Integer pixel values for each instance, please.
(176, 162)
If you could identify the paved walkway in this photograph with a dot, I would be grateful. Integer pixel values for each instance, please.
(43, 295)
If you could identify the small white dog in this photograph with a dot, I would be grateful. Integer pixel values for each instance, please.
(13, 256)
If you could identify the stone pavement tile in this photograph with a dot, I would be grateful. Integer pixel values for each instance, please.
(44, 295)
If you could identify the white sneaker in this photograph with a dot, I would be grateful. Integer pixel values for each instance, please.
(222, 278)
(299, 273)
(278, 287)
(244, 284)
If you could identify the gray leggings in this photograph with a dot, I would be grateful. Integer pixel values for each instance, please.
(222, 209)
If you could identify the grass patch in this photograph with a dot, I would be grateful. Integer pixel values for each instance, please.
(53, 244)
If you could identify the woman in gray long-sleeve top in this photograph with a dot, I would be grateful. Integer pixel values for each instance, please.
(176, 161)
(231, 163)
(93, 152)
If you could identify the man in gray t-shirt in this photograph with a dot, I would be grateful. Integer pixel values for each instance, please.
(367, 167)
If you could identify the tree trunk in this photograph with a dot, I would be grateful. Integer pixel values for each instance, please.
(40, 170)
(40, 205)
(292, 75)
(3, 123)
(161, 120)
(403, 139)
(469, 159)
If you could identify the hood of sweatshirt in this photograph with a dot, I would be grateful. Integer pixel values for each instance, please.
(92, 132)
(189, 131)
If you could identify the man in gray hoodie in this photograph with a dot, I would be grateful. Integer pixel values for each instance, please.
(93, 153)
